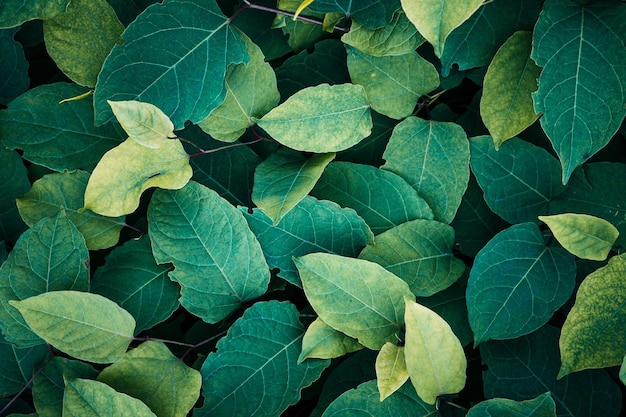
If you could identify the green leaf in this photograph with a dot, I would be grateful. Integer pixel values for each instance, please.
(15, 12)
(398, 37)
(159, 379)
(87, 326)
(434, 158)
(80, 38)
(59, 136)
(126, 171)
(581, 87)
(369, 190)
(144, 123)
(251, 91)
(434, 356)
(14, 72)
(65, 191)
(218, 261)
(391, 372)
(312, 226)
(595, 340)
(393, 83)
(14, 184)
(435, 19)
(542, 406)
(356, 297)
(519, 180)
(321, 341)
(51, 256)
(132, 278)
(321, 119)
(370, 150)
(517, 283)
(251, 374)
(186, 83)
(284, 179)
(506, 106)
(370, 13)
(257, 24)
(622, 372)
(86, 398)
(17, 366)
(419, 252)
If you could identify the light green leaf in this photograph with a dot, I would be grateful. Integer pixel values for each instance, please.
(435, 19)
(66, 192)
(86, 326)
(434, 356)
(542, 406)
(312, 226)
(323, 342)
(284, 179)
(251, 374)
(582, 86)
(17, 366)
(419, 252)
(218, 261)
(434, 158)
(398, 37)
(251, 91)
(394, 83)
(126, 171)
(14, 13)
(80, 38)
(321, 119)
(152, 374)
(391, 372)
(51, 256)
(370, 13)
(86, 398)
(187, 82)
(14, 184)
(506, 106)
(369, 191)
(145, 123)
(356, 297)
(596, 340)
(582, 235)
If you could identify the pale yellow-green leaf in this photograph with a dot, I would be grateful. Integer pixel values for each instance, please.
(145, 123)
(583, 235)
(622, 371)
(506, 106)
(321, 341)
(434, 355)
(301, 7)
(391, 372)
(127, 170)
(435, 19)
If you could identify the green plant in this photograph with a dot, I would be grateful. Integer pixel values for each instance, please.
(249, 209)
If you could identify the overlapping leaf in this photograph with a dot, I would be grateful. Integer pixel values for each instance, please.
(391, 372)
(14, 72)
(144, 123)
(370, 13)
(323, 342)
(542, 406)
(15, 183)
(14, 13)
(17, 365)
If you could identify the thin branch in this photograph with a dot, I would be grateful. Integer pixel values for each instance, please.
(234, 145)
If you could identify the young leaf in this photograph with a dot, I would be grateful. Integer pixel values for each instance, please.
(434, 158)
(434, 356)
(17, 365)
(218, 261)
(86, 326)
(14, 184)
(159, 379)
(356, 297)
(129, 169)
(14, 72)
(584, 236)
(391, 372)
(284, 179)
(252, 374)
(86, 398)
(14, 13)
(542, 406)
(321, 119)
(323, 342)
(506, 106)
(145, 123)
(370, 13)
(581, 87)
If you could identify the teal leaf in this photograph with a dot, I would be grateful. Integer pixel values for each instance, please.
(581, 88)
(14, 71)
(369, 13)
(419, 252)
(284, 179)
(218, 261)
(132, 278)
(253, 374)
(519, 180)
(542, 406)
(59, 136)
(14, 13)
(51, 256)
(187, 83)
(370, 150)
(381, 198)
(434, 158)
(257, 24)
(312, 226)
(17, 365)
(517, 283)
(14, 184)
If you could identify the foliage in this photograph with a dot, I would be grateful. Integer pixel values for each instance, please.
(320, 207)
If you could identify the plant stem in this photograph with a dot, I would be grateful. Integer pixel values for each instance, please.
(207, 151)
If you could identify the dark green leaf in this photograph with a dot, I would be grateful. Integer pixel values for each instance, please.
(257, 24)
(370, 150)
(17, 365)
(14, 183)
(14, 69)
(542, 406)
(369, 13)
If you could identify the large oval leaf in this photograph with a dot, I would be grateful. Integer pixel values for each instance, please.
(86, 398)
